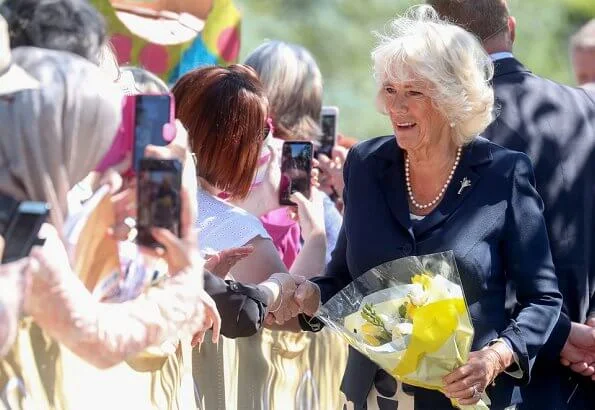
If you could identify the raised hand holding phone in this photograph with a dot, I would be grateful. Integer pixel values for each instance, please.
(310, 213)
(158, 199)
(296, 169)
(329, 119)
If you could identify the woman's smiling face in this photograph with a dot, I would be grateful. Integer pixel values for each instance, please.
(415, 119)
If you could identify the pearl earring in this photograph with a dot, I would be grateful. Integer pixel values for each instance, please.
(452, 125)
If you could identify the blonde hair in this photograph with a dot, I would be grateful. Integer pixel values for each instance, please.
(293, 83)
(419, 46)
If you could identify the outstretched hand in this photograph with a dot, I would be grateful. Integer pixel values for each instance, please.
(220, 263)
(579, 351)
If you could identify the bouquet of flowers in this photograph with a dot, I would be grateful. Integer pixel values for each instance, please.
(410, 317)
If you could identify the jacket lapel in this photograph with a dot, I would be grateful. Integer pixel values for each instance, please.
(464, 182)
(392, 179)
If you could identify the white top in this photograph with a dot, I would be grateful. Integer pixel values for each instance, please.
(416, 217)
(501, 55)
(222, 225)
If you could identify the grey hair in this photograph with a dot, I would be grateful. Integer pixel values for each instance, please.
(419, 46)
(293, 83)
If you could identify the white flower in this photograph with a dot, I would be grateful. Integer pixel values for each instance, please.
(417, 295)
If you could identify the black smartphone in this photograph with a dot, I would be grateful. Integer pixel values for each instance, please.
(23, 228)
(8, 207)
(151, 113)
(158, 198)
(296, 167)
(328, 123)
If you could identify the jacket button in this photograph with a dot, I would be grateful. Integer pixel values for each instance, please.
(407, 248)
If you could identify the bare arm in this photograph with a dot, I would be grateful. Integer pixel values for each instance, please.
(260, 264)
(105, 334)
(310, 260)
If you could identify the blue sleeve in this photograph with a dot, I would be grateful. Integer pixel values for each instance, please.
(528, 263)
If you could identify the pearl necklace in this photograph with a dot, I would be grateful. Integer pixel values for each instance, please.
(442, 191)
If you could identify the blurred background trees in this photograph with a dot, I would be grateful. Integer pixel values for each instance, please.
(339, 34)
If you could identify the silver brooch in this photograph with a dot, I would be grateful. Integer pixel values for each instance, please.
(465, 182)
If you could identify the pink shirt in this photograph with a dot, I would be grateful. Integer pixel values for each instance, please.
(285, 234)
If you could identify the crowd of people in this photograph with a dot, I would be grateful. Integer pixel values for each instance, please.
(487, 160)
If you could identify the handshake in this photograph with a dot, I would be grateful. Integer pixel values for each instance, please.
(579, 351)
(289, 295)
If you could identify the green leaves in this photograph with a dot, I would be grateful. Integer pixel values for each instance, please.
(369, 315)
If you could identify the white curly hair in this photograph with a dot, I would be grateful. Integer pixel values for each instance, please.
(451, 62)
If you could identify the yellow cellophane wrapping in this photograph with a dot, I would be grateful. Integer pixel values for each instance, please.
(440, 343)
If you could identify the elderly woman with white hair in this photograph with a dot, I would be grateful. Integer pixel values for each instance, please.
(437, 185)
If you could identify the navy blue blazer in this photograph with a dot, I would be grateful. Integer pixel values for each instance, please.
(495, 228)
(555, 126)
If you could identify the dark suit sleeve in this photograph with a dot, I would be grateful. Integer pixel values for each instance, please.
(528, 263)
(242, 307)
(552, 349)
(337, 274)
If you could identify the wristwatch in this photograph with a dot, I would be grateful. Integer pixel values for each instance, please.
(310, 324)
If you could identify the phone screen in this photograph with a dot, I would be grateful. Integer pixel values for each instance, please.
(23, 229)
(151, 114)
(296, 167)
(159, 185)
(329, 130)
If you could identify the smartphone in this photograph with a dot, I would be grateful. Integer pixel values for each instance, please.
(158, 198)
(21, 233)
(143, 119)
(151, 113)
(296, 167)
(8, 206)
(328, 123)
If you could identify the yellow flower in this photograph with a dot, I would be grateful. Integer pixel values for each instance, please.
(371, 340)
(411, 308)
(423, 279)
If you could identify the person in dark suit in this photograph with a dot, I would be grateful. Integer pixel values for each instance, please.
(435, 186)
(555, 126)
